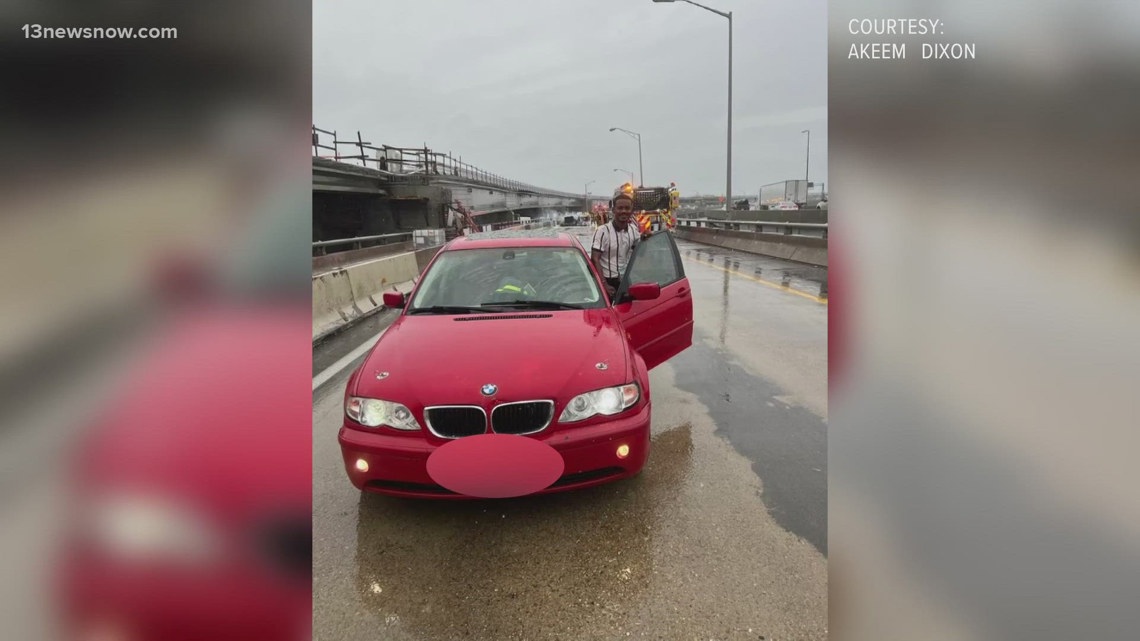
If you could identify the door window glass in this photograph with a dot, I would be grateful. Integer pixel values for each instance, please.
(655, 261)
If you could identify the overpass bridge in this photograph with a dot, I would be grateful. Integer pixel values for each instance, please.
(361, 189)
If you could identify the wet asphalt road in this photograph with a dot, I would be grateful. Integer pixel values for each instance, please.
(723, 535)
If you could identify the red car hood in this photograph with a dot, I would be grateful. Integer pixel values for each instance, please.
(217, 413)
(447, 360)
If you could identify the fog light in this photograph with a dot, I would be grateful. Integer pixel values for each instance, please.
(361, 465)
(622, 451)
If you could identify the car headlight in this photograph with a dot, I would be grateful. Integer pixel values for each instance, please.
(140, 527)
(607, 402)
(373, 412)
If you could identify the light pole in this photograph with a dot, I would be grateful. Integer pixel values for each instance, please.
(586, 195)
(728, 177)
(808, 157)
(628, 172)
(640, 167)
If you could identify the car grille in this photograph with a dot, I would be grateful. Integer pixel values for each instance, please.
(455, 422)
(522, 418)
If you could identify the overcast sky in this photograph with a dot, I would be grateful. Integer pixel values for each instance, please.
(528, 89)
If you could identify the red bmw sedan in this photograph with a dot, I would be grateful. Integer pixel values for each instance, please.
(510, 342)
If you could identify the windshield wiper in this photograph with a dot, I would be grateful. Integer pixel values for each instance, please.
(447, 309)
(534, 304)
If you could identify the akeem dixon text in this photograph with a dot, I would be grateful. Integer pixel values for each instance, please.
(898, 50)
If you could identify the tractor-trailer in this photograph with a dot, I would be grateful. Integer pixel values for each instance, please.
(786, 191)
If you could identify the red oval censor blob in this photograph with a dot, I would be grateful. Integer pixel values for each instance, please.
(495, 466)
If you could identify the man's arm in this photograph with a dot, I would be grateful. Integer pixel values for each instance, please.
(596, 258)
(597, 246)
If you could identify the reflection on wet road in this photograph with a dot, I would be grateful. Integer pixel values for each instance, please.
(722, 536)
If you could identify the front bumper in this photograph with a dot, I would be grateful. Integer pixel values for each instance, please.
(397, 464)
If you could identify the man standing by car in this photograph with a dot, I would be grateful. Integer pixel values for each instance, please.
(614, 242)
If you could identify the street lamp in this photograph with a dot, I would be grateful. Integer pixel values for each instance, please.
(808, 158)
(728, 178)
(628, 172)
(640, 167)
(586, 194)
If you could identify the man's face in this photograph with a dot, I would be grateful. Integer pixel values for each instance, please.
(623, 210)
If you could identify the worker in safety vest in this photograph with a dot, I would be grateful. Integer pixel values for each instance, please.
(670, 217)
(598, 215)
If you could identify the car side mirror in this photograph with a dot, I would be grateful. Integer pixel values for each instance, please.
(395, 299)
(645, 291)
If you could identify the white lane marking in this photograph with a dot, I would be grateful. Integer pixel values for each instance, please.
(337, 367)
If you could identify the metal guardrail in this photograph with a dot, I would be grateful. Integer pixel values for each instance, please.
(757, 226)
(357, 243)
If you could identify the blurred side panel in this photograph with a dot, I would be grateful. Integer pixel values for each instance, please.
(155, 220)
(986, 214)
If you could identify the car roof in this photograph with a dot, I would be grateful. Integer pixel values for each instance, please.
(514, 238)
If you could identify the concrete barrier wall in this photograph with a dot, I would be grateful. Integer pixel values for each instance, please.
(424, 256)
(802, 249)
(349, 293)
(373, 277)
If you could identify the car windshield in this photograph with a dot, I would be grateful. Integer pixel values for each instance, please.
(473, 280)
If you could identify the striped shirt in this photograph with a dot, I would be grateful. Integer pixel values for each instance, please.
(616, 247)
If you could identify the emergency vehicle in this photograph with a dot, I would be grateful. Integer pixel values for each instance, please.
(599, 214)
(654, 208)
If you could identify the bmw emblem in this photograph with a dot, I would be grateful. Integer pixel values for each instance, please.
(489, 389)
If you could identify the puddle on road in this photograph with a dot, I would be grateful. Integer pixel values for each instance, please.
(786, 444)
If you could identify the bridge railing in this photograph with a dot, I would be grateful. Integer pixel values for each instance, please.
(321, 247)
(816, 230)
(407, 162)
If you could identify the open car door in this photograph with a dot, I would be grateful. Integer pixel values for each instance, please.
(660, 328)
